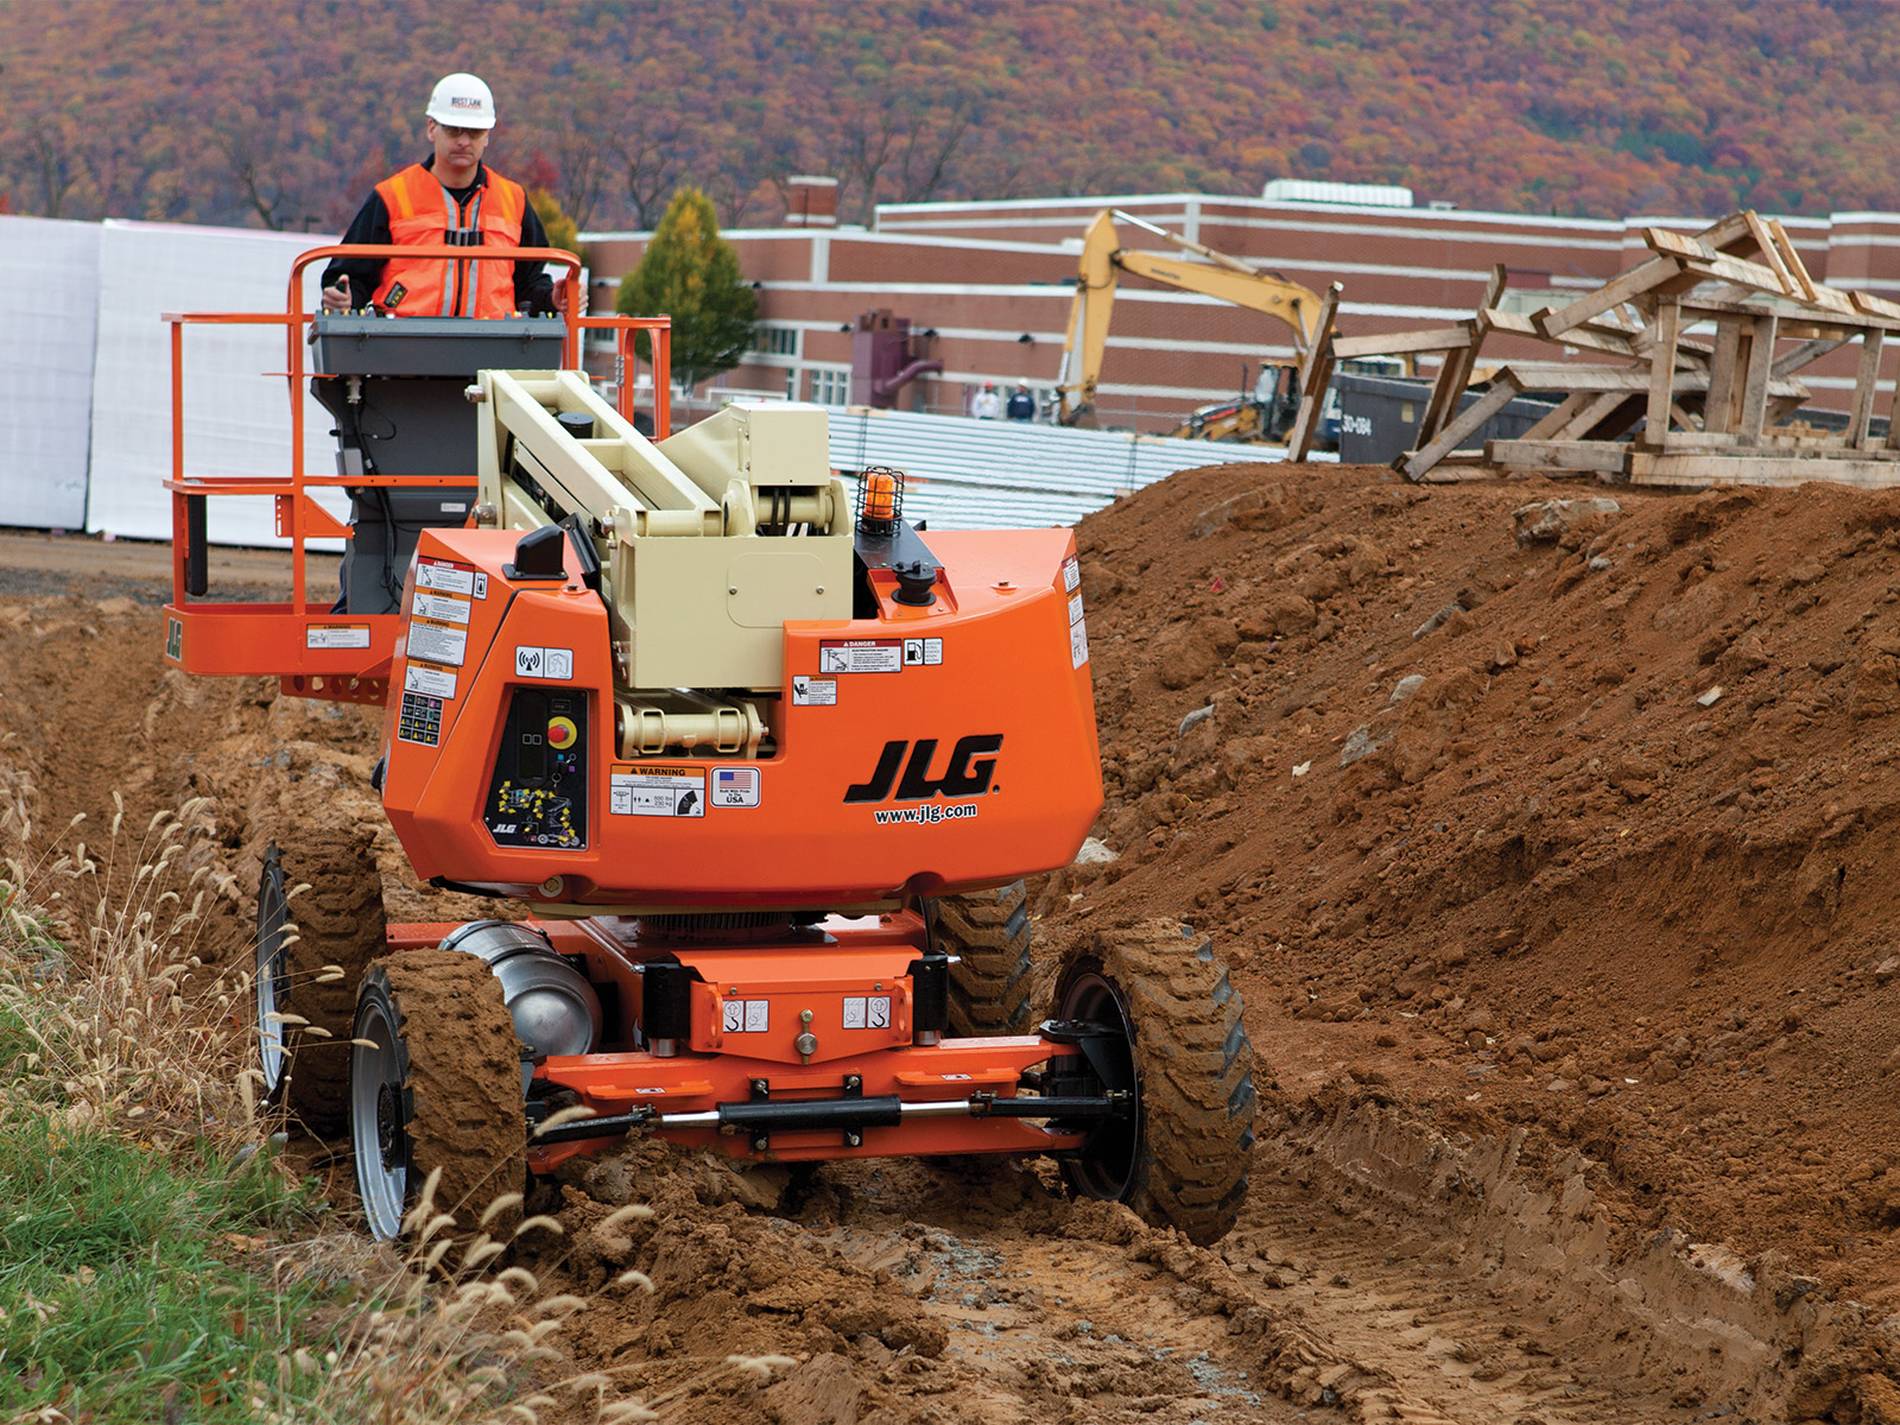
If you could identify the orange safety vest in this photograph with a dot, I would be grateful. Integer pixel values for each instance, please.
(421, 213)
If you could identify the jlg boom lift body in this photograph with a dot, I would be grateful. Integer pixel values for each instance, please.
(768, 764)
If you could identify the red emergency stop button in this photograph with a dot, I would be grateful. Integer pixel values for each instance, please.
(561, 733)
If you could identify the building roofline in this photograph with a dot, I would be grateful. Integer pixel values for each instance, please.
(1041, 249)
(1001, 206)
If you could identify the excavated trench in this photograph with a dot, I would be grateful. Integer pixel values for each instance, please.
(1570, 987)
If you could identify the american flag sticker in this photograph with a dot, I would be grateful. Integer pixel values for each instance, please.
(736, 787)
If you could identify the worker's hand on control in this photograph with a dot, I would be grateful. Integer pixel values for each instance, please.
(337, 298)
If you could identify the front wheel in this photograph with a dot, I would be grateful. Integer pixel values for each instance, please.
(310, 950)
(435, 1083)
(1176, 1037)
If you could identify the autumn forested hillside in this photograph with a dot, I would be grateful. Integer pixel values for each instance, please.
(283, 112)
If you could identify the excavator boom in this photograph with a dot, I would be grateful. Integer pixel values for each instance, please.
(1221, 276)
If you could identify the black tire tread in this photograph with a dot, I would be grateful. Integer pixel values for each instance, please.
(989, 932)
(338, 921)
(1195, 1067)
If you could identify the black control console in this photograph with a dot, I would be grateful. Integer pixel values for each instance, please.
(395, 386)
(538, 795)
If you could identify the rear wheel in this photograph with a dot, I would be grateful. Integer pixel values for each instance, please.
(1177, 1037)
(436, 1084)
(988, 932)
(338, 922)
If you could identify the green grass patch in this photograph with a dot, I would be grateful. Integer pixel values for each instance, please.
(129, 1279)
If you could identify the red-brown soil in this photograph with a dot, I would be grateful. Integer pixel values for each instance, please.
(1573, 999)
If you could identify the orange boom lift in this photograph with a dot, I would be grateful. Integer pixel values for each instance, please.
(767, 762)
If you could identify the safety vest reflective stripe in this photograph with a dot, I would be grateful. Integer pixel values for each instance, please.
(455, 287)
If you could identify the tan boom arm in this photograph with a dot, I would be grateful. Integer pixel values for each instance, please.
(1226, 278)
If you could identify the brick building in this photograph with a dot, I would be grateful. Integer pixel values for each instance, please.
(987, 286)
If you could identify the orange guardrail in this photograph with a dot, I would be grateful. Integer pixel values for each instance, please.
(314, 651)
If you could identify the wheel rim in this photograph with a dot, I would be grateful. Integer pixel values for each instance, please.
(272, 971)
(1105, 1166)
(378, 1134)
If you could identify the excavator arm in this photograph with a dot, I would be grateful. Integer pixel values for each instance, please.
(1225, 278)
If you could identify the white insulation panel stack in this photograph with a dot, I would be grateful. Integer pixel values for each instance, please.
(49, 284)
(237, 411)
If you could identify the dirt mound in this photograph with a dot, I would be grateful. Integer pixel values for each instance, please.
(1528, 810)
(1550, 845)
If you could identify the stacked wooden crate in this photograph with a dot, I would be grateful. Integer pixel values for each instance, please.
(1706, 341)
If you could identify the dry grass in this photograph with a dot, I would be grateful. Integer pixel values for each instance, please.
(119, 1023)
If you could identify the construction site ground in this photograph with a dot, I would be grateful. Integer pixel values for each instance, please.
(1554, 853)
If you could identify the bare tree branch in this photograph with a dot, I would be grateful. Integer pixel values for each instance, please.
(929, 149)
(651, 156)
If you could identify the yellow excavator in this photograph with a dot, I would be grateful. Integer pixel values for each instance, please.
(1264, 415)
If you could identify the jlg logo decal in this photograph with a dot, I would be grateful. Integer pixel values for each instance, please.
(972, 764)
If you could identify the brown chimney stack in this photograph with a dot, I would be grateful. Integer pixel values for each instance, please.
(812, 201)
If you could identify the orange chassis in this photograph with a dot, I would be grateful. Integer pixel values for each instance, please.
(865, 957)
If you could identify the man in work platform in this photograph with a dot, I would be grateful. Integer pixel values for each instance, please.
(450, 198)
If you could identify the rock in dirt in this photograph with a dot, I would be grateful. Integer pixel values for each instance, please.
(1550, 521)
(1360, 744)
(1279, 616)
(1405, 687)
(1095, 852)
(1194, 719)
(1439, 619)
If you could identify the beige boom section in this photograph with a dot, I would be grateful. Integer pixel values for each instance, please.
(732, 527)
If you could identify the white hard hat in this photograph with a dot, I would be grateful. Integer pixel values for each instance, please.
(462, 102)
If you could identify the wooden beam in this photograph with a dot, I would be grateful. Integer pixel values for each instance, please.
(1875, 306)
(1866, 376)
(1673, 468)
(1791, 258)
(1770, 254)
(1756, 383)
(1467, 422)
(1315, 376)
(1561, 415)
(1554, 321)
(1699, 258)
(1607, 416)
(1727, 234)
(1586, 335)
(1662, 373)
(1718, 411)
(1525, 453)
(1453, 377)
(1893, 420)
(1792, 361)
(1348, 348)
(1568, 376)
(1689, 421)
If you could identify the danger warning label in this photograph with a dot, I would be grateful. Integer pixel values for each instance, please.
(862, 655)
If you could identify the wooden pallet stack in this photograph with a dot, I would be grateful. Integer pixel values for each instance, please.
(1706, 339)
